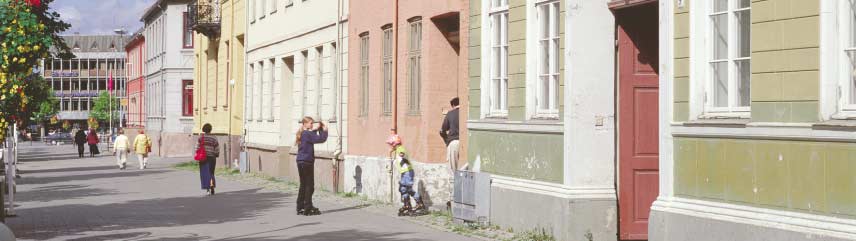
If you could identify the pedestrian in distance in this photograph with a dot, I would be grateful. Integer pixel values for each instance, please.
(142, 147)
(121, 149)
(309, 134)
(207, 167)
(80, 140)
(92, 140)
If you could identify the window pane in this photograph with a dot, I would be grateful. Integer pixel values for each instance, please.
(720, 5)
(543, 102)
(496, 62)
(743, 83)
(852, 69)
(852, 21)
(743, 3)
(743, 21)
(544, 57)
(554, 56)
(720, 36)
(720, 84)
(544, 22)
(504, 29)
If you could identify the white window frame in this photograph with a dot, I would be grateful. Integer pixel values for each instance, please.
(252, 11)
(250, 78)
(834, 73)
(494, 89)
(259, 88)
(364, 74)
(263, 4)
(533, 88)
(272, 66)
(273, 6)
(701, 73)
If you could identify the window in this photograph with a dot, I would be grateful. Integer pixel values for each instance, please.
(727, 70)
(252, 11)
(250, 98)
(188, 33)
(364, 74)
(305, 74)
(263, 4)
(414, 63)
(259, 96)
(187, 98)
(387, 70)
(272, 6)
(289, 3)
(847, 41)
(319, 76)
(548, 59)
(272, 67)
(265, 89)
(497, 69)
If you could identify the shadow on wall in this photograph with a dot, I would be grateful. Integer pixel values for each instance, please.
(423, 192)
(358, 179)
(172, 212)
(351, 234)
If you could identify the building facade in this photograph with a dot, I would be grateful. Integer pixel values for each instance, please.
(169, 63)
(98, 60)
(296, 70)
(756, 104)
(218, 81)
(136, 52)
(407, 69)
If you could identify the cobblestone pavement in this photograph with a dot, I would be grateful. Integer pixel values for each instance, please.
(61, 197)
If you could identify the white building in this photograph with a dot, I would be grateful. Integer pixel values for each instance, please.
(291, 73)
(169, 78)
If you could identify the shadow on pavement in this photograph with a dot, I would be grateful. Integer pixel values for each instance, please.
(70, 169)
(167, 212)
(350, 235)
(60, 192)
(120, 236)
(361, 206)
(52, 157)
(269, 231)
(86, 177)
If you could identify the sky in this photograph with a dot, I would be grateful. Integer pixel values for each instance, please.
(101, 16)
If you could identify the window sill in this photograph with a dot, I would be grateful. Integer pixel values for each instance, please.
(718, 122)
(836, 125)
(272, 12)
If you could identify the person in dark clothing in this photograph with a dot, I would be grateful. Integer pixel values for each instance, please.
(207, 168)
(309, 134)
(92, 140)
(450, 134)
(80, 140)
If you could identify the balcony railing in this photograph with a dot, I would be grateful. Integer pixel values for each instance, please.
(204, 17)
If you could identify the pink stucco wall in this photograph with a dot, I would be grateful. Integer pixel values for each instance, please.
(443, 78)
(136, 82)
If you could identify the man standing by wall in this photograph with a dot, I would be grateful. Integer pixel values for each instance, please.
(450, 135)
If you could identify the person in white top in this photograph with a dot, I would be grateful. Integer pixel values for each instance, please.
(121, 148)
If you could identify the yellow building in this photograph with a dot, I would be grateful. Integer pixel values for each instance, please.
(218, 84)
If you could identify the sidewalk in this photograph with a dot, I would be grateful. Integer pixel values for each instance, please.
(61, 197)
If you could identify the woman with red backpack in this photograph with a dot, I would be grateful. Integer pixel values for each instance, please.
(206, 155)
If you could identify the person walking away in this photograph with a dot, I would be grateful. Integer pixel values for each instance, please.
(92, 140)
(80, 140)
(309, 134)
(405, 187)
(142, 147)
(206, 168)
(450, 134)
(121, 148)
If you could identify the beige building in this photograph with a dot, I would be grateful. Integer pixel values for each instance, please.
(218, 82)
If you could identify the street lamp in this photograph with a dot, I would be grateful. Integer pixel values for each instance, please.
(121, 32)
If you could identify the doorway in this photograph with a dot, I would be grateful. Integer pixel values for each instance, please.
(638, 108)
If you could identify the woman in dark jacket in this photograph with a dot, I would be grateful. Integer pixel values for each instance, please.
(308, 135)
(92, 140)
(206, 168)
(80, 140)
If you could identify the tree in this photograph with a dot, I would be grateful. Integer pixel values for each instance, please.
(28, 31)
(103, 106)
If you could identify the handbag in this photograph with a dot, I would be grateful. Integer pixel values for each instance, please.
(200, 151)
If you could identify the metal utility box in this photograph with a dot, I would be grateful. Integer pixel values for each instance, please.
(471, 201)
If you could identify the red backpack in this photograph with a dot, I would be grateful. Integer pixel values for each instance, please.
(201, 156)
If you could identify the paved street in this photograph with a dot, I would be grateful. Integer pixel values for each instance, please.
(61, 197)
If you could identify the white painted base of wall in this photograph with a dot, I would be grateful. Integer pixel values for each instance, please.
(370, 177)
(751, 220)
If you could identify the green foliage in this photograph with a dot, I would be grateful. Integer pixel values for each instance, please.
(104, 105)
(27, 34)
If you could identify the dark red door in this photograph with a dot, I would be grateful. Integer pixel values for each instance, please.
(638, 118)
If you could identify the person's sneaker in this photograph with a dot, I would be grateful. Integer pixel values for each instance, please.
(301, 211)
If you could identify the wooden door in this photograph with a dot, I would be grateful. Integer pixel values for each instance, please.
(638, 132)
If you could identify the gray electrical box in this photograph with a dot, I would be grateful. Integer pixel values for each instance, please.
(471, 201)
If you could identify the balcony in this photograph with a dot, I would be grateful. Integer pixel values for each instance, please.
(204, 17)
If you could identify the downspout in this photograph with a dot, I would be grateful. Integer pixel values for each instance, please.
(337, 154)
(394, 99)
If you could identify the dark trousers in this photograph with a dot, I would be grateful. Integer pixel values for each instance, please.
(206, 173)
(80, 150)
(93, 149)
(307, 185)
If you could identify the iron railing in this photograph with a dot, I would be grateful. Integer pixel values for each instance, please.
(204, 17)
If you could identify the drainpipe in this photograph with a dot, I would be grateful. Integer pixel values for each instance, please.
(337, 155)
(394, 99)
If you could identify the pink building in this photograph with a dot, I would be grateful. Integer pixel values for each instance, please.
(430, 70)
(136, 115)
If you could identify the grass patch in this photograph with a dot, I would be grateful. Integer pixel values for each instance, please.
(348, 194)
(191, 166)
(533, 235)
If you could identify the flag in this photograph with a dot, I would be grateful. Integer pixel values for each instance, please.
(110, 83)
